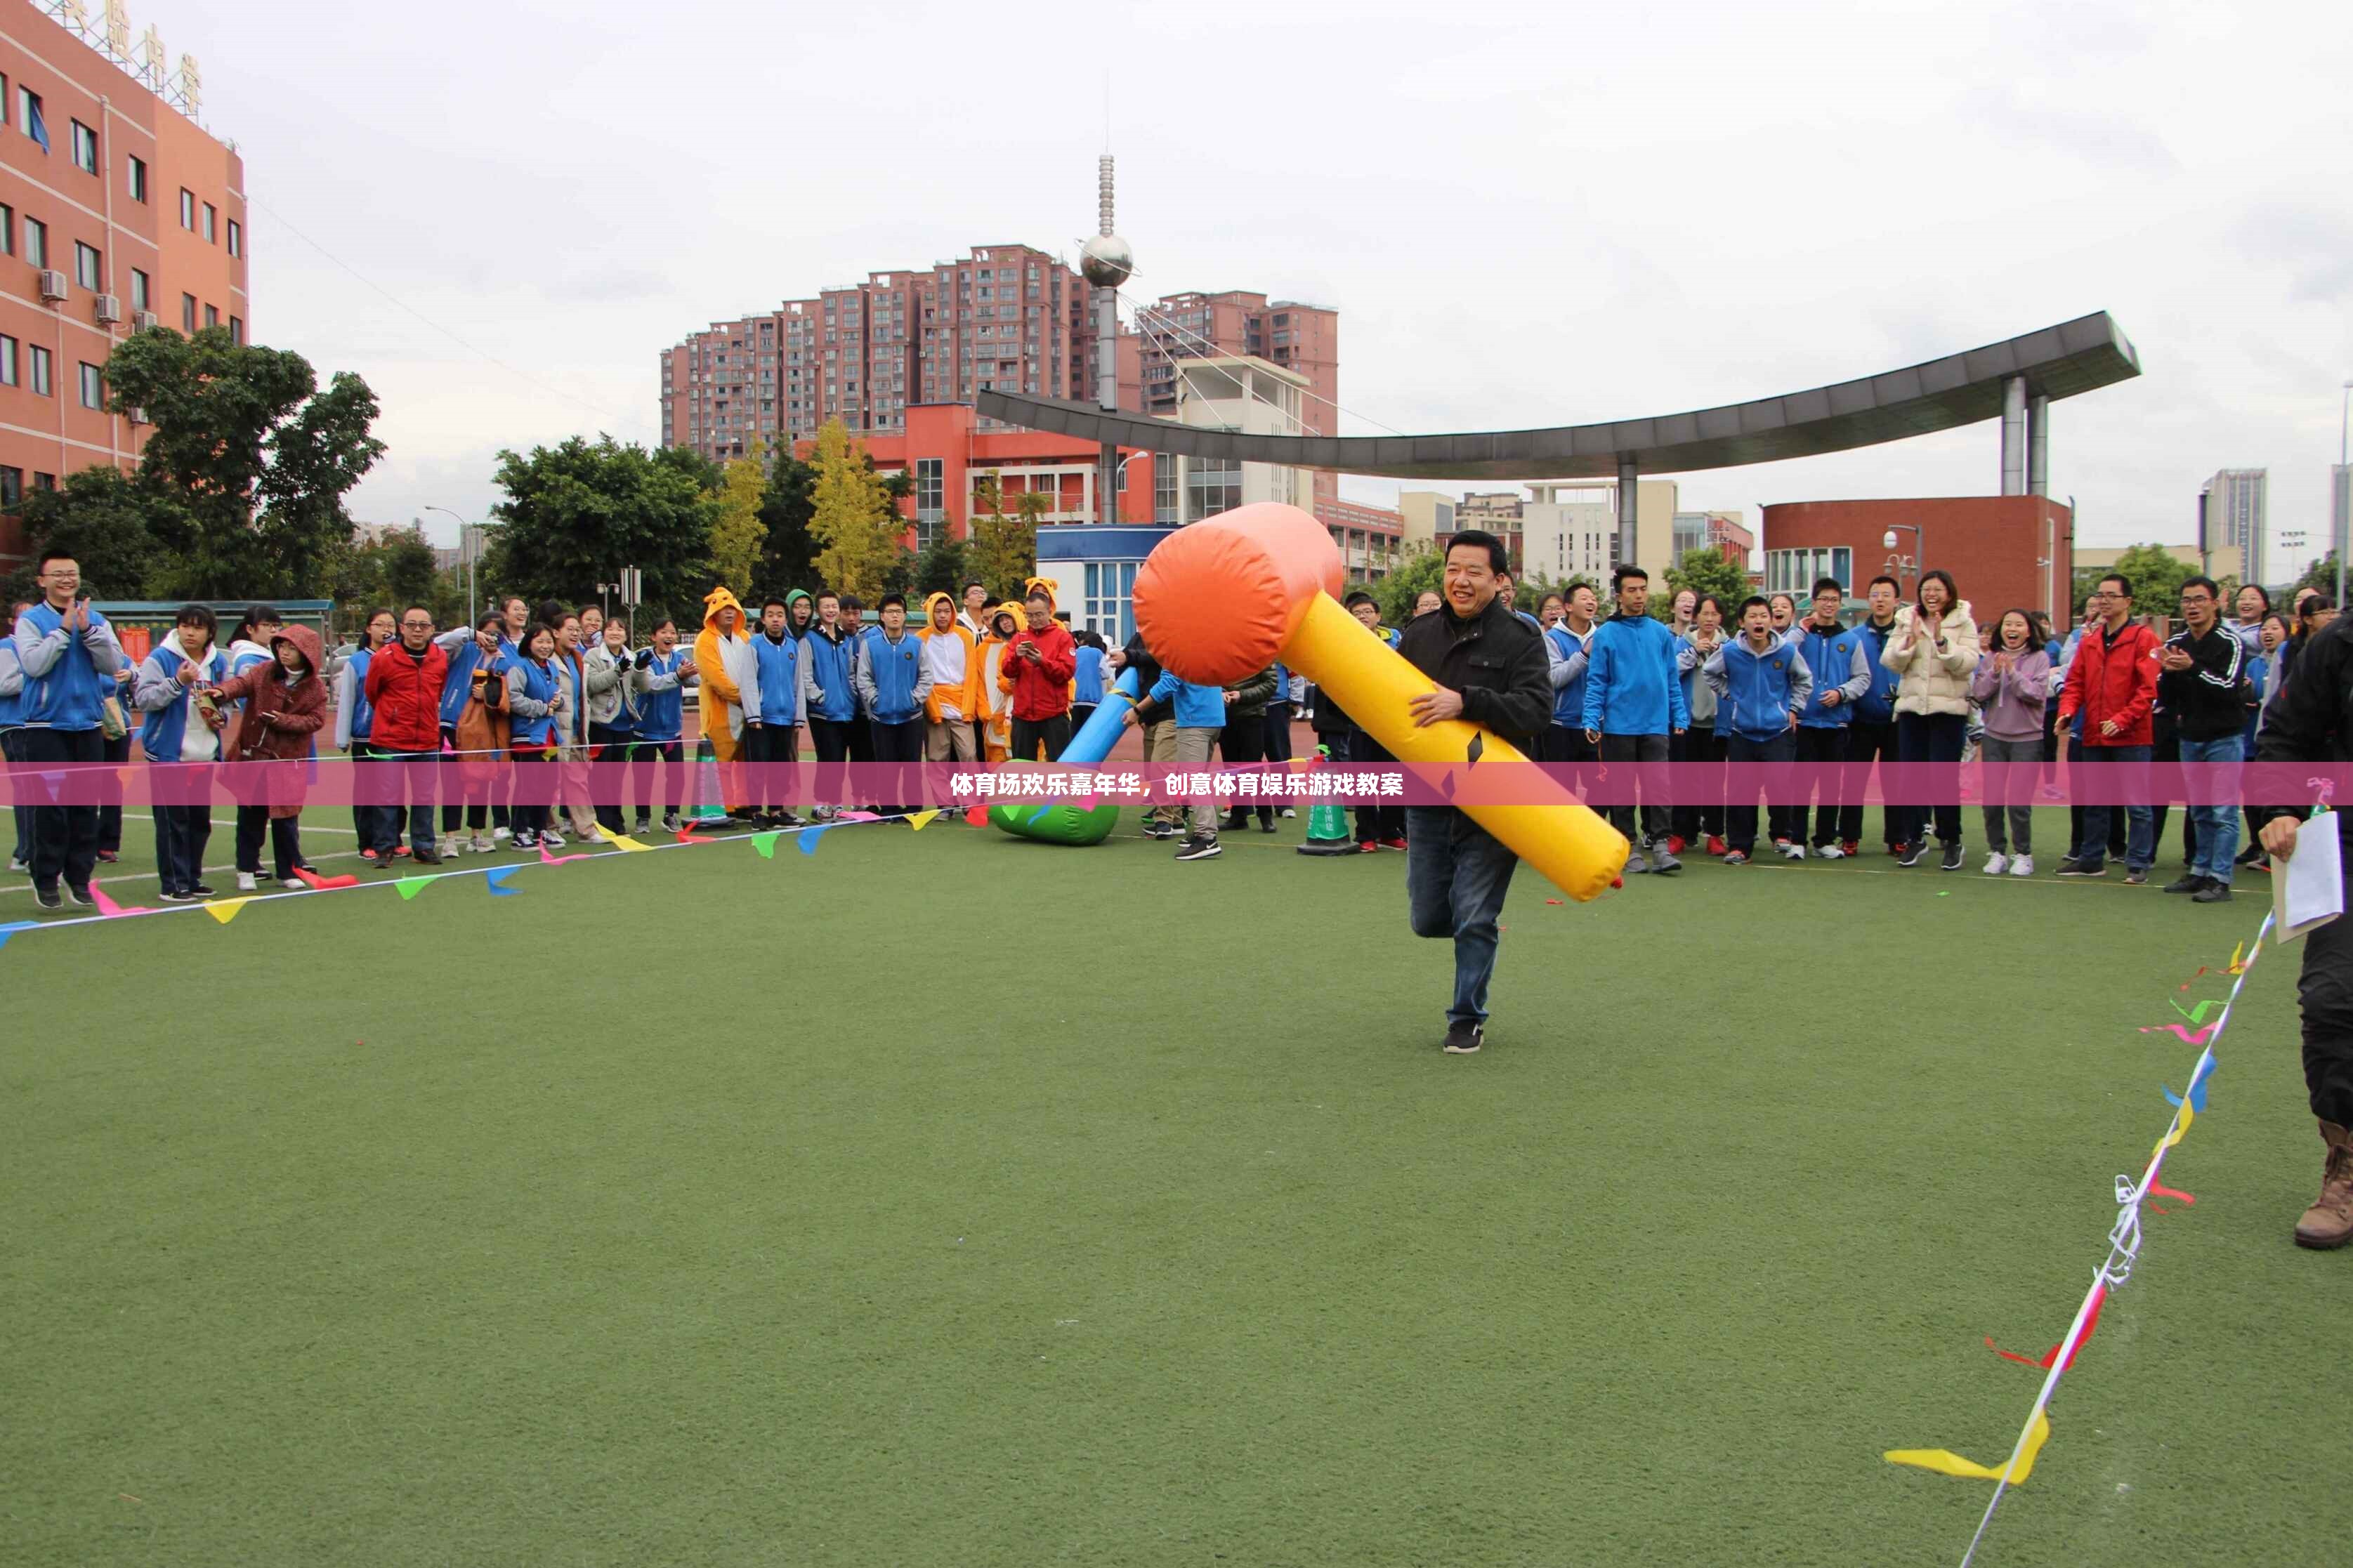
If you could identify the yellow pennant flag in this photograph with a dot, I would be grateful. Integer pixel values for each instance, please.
(225, 910)
(1944, 1462)
(2180, 1125)
(921, 820)
(620, 840)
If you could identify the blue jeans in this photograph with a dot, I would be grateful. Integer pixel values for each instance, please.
(2140, 822)
(2218, 826)
(1456, 875)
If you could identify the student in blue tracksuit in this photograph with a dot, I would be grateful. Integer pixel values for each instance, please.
(1087, 679)
(1567, 647)
(354, 723)
(67, 658)
(772, 747)
(658, 682)
(830, 675)
(178, 734)
(1633, 702)
(1761, 686)
(12, 723)
(894, 682)
(1843, 671)
(1200, 715)
(1871, 733)
(1699, 793)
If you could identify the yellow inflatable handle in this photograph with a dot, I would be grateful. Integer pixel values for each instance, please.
(1227, 596)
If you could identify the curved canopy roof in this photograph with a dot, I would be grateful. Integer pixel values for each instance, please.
(1960, 389)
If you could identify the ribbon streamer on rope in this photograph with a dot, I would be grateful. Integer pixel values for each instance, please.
(2124, 1249)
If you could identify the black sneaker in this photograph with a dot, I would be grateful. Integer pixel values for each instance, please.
(1952, 857)
(199, 891)
(2213, 892)
(2135, 878)
(2083, 869)
(2250, 855)
(2190, 884)
(427, 856)
(173, 896)
(1463, 1039)
(1199, 847)
(48, 897)
(80, 895)
(1268, 826)
(1912, 854)
(1162, 830)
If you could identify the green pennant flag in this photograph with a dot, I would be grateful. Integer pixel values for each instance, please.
(411, 886)
(765, 843)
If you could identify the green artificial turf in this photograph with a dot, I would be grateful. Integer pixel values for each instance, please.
(942, 1198)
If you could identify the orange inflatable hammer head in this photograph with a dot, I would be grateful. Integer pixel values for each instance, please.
(1219, 600)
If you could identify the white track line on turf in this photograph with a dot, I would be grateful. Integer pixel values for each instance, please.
(733, 837)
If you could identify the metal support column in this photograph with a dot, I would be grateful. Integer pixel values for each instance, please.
(1622, 551)
(2037, 446)
(2013, 436)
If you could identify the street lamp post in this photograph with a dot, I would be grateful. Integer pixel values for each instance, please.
(1918, 560)
(466, 550)
(2337, 529)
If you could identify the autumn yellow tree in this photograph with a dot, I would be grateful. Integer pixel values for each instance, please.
(856, 523)
(1004, 549)
(737, 532)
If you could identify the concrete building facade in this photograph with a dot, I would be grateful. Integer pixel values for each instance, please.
(1006, 316)
(118, 210)
(1238, 392)
(2233, 509)
(1370, 537)
(1229, 323)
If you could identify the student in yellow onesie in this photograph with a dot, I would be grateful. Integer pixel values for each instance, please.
(953, 660)
(996, 681)
(731, 690)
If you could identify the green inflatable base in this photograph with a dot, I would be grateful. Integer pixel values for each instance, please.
(1055, 823)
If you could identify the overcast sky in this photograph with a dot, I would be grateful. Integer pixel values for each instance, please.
(1529, 215)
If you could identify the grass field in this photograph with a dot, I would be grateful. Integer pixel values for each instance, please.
(944, 1199)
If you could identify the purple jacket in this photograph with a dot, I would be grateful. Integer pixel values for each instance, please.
(2013, 702)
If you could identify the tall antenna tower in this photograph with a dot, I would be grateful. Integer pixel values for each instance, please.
(1106, 262)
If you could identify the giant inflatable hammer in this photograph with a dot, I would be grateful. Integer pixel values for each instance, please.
(1223, 598)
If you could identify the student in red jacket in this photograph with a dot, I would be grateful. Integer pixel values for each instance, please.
(2112, 683)
(1041, 661)
(403, 685)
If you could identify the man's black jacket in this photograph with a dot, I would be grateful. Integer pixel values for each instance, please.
(1496, 661)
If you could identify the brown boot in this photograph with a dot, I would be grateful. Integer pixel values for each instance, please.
(2329, 1221)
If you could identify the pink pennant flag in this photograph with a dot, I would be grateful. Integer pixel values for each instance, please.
(2099, 1301)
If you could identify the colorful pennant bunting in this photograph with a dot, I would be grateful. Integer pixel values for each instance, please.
(318, 884)
(497, 882)
(225, 910)
(922, 820)
(13, 927)
(1946, 1462)
(2099, 1299)
(809, 835)
(620, 840)
(411, 886)
(765, 843)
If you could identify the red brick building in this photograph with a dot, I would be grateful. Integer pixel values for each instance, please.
(2004, 551)
(949, 454)
(116, 210)
(867, 353)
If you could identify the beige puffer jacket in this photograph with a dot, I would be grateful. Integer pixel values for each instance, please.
(1936, 675)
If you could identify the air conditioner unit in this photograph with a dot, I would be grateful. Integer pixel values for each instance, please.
(53, 284)
(110, 309)
(143, 319)
(138, 416)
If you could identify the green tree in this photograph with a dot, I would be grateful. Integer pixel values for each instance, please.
(390, 572)
(736, 531)
(2156, 574)
(941, 568)
(853, 520)
(1420, 569)
(2320, 574)
(577, 512)
(99, 517)
(247, 463)
(787, 552)
(1004, 552)
(1708, 571)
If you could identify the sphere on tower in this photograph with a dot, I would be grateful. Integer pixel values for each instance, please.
(1106, 262)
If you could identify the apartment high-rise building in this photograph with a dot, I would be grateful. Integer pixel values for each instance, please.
(1003, 315)
(118, 210)
(2232, 514)
(1301, 338)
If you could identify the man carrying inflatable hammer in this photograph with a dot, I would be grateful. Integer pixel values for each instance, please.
(1491, 669)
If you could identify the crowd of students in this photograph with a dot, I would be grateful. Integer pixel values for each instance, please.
(549, 687)
(1912, 682)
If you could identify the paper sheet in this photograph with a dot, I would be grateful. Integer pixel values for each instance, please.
(2309, 887)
